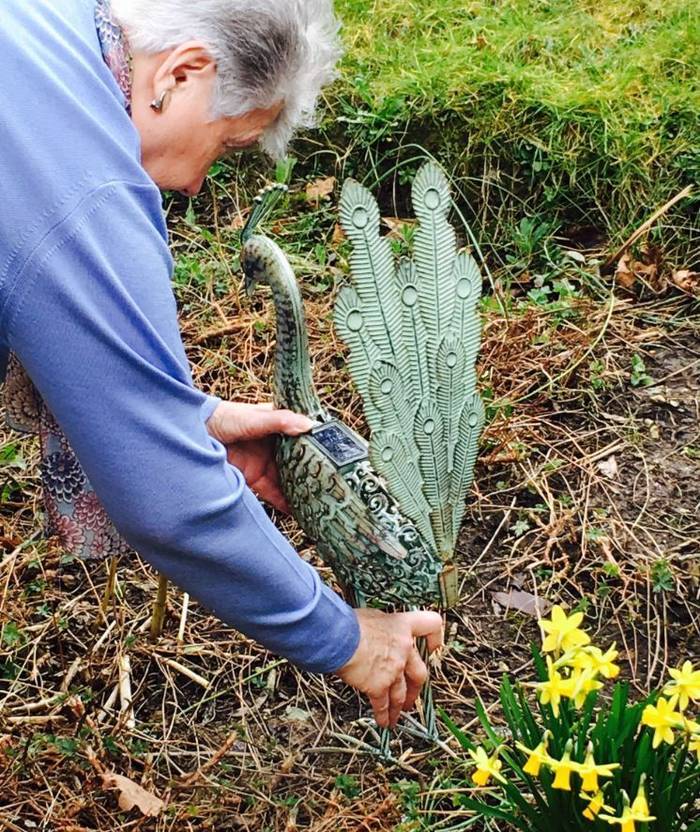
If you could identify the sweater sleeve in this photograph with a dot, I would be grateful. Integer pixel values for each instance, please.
(93, 320)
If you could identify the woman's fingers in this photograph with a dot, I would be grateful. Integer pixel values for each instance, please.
(416, 674)
(293, 424)
(240, 422)
(402, 693)
(259, 422)
(380, 707)
(397, 699)
(428, 625)
(386, 665)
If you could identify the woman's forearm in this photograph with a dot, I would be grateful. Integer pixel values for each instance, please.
(93, 321)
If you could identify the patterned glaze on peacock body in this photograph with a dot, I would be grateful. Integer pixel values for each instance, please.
(375, 551)
(334, 493)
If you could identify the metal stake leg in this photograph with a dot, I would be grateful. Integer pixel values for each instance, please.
(158, 617)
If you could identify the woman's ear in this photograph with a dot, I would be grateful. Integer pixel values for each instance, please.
(191, 61)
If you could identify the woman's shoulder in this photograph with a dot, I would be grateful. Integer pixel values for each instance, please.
(66, 133)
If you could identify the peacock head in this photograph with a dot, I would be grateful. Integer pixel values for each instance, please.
(261, 259)
(264, 262)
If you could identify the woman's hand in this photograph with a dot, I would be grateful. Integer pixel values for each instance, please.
(386, 665)
(248, 433)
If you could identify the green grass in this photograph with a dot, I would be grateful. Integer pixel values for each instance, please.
(585, 112)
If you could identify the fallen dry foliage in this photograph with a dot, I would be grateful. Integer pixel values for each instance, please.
(133, 796)
(651, 272)
(587, 490)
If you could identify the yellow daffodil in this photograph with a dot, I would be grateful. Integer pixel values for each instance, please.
(563, 631)
(486, 767)
(640, 806)
(583, 682)
(537, 757)
(590, 771)
(638, 812)
(555, 688)
(690, 726)
(596, 805)
(663, 718)
(694, 745)
(685, 684)
(563, 769)
(593, 659)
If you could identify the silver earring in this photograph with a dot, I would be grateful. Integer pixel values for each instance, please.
(158, 104)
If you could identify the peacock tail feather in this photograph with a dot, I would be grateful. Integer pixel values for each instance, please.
(413, 331)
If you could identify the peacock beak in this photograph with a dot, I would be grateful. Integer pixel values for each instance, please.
(250, 272)
(249, 282)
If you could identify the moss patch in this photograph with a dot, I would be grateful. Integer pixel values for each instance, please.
(581, 111)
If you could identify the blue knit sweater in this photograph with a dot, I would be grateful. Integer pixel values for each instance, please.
(86, 303)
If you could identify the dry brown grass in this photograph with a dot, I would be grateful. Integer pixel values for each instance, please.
(255, 749)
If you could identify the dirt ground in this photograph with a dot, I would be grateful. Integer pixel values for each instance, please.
(587, 494)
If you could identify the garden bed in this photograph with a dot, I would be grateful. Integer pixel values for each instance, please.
(565, 126)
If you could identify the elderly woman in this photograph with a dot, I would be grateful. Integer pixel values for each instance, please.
(101, 107)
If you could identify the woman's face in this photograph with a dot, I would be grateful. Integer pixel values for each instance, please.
(181, 142)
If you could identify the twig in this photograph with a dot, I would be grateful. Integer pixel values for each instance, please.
(111, 586)
(195, 677)
(217, 332)
(39, 705)
(35, 720)
(108, 706)
(183, 620)
(103, 638)
(127, 707)
(506, 516)
(6, 824)
(645, 226)
(72, 671)
(190, 779)
(158, 618)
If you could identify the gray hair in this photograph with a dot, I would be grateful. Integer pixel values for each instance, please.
(265, 51)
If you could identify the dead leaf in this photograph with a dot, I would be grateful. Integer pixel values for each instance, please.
(320, 189)
(9, 544)
(687, 281)
(575, 255)
(630, 271)
(297, 714)
(238, 222)
(624, 275)
(524, 602)
(339, 235)
(608, 467)
(396, 226)
(287, 765)
(132, 795)
(75, 703)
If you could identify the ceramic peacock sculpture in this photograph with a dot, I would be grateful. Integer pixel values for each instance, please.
(385, 514)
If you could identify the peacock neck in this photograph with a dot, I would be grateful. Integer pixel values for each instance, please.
(293, 379)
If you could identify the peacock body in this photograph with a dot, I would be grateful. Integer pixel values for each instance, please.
(385, 514)
(335, 494)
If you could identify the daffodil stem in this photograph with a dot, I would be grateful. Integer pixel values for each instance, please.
(429, 717)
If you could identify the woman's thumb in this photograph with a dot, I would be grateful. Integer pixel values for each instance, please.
(268, 422)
